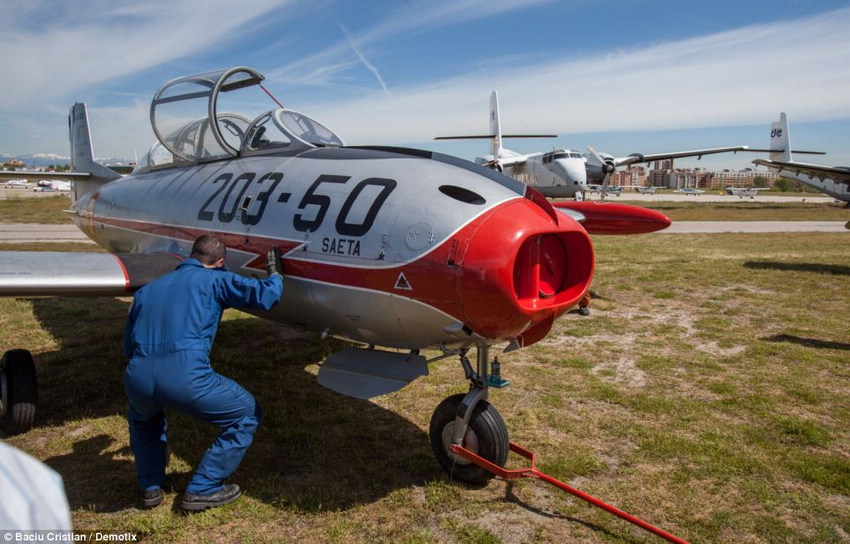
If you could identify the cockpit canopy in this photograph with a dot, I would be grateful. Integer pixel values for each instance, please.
(560, 154)
(190, 128)
(283, 128)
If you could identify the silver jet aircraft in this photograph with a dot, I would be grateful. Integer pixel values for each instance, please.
(397, 248)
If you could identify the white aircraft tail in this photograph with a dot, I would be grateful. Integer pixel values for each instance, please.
(82, 154)
(494, 134)
(495, 126)
(780, 141)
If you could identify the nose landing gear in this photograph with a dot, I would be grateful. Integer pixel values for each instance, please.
(18, 391)
(469, 420)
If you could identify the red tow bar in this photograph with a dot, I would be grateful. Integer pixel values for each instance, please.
(534, 473)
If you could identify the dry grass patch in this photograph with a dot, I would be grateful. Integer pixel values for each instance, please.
(47, 210)
(707, 392)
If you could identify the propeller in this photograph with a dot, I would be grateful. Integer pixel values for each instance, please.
(608, 166)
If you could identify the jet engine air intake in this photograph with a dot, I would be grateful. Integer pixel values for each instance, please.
(522, 269)
(551, 269)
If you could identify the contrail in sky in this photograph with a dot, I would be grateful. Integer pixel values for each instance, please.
(363, 59)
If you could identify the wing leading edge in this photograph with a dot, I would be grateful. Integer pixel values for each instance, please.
(839, 175)
(639, 157)
(53, 273)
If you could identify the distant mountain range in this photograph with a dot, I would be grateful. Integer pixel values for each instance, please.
(40, 160)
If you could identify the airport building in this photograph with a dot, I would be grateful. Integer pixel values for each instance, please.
(742, 178)
(664, 175)
(674, 179)
(634, 176)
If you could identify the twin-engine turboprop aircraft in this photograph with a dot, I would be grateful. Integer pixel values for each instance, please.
(563, 173)
(397, 248)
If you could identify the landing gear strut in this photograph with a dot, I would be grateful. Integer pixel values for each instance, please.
(18, 391)
(472, 422)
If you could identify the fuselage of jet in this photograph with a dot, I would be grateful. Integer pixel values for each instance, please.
(380, 246)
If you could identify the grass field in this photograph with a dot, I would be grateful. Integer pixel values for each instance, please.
(737, 210)
(45, 210)
(707, 393)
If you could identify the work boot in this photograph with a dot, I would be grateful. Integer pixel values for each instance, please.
(225, 495)
(151, 497)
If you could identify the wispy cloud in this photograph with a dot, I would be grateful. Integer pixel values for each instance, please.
(414, 17)
(742, 76)
(371, 67)
(59, 47)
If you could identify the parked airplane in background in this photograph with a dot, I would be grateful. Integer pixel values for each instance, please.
(690, 191)
(559, 173)
(15, 182)
(646, 190)
(54, 185)
(391, 247)
(832, 180)
(744, 192)
(562, 173)
(615, 189)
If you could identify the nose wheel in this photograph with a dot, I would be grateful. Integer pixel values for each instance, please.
(18, 391)
(486, 435)
(469, 420)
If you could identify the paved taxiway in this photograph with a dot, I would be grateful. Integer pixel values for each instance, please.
(630, 196)
(24, 233)
(10, 192)
(690, 227)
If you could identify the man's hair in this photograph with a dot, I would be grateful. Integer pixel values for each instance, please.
(208, 249)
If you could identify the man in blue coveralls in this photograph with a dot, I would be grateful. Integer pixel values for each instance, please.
(168, 337)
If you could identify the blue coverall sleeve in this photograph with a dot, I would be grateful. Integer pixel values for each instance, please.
(236, 291)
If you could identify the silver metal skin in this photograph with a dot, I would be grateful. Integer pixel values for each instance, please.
(159, 211)
(27, 273)
(367, 373)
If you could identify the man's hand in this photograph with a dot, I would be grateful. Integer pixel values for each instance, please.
(273, 264)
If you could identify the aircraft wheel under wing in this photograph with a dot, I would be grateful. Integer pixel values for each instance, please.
(18, 391)
(486, 436)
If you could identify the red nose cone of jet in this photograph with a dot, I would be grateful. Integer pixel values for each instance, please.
(522, 269)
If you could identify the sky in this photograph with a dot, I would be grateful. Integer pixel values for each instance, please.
(624, 76)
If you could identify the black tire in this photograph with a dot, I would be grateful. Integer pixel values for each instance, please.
(486, 436)
(21, 391)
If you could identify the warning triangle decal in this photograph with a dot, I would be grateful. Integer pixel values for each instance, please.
(402, 283)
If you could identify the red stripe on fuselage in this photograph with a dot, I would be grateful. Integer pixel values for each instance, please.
(469, 276)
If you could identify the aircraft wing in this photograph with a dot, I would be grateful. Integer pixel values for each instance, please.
(53, 273)
(839, 175)
(30, 174)
(635, 158)
(491, 136)
(11, 174)
(513, 162)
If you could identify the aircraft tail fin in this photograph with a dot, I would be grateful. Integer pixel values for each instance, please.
(82, 154)
(495, 125)
(780, 141)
